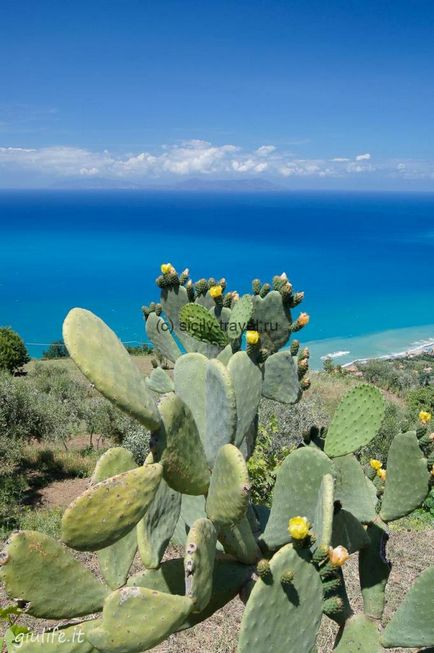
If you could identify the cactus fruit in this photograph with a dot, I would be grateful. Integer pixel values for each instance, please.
(285, 563)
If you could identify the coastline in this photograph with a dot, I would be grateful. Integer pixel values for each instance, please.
(382, 345)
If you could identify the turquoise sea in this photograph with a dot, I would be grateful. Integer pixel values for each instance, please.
(365, 261)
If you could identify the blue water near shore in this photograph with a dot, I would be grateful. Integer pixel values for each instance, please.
(365, 261)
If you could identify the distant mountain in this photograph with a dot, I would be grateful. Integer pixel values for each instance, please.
(225, 185)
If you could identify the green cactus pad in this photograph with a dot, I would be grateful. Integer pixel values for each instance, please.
(360, 635)
(106, 363)
(240, 316)
(200, 550)
(156, 528)
(239, 541)
(136, 618)
(172, 301)
(221, 413)
(281, 378)
(222, 314)
(192, 508)
(71, 639)
(225, 355)
(323, 519)
(178, 446)
(281, 617)
(356, 421)
(413, 623)
(158, 332)
(348, 532)
(297, 485)
(272, 320)
(200, 324)
(39, 571)
(189, 376)
(229, 489)
(109, 510)
(374, 570)
(407, 480)
(228, 578)
(115, 560)
(246, 379)
(354, 490)
(159, 381)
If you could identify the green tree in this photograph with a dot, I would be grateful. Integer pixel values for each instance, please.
(57, 349)
(13, 352)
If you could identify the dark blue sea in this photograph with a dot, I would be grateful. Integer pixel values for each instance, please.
(365, 261)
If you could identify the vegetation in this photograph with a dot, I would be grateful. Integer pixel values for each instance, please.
(13, 352)
(194, 488)
(56, 350)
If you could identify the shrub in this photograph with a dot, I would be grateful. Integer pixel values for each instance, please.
(264, 463)
(13, 352)
(139, 350)
(57, 349)
(421, 399)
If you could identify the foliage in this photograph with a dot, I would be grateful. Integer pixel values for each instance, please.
(139, 350)
(13, 352)
(56, 350)
(264, 463)
(421, 399)
(396, 419)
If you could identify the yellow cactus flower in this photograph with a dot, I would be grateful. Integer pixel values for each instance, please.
(252, 337)
(298, 528)
(303, 319)
(381, 473)
(166, 268)
(376, 464)
(216, 291)
(338, 556)
(424, 416)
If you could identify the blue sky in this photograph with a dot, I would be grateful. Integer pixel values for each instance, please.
(306, 93)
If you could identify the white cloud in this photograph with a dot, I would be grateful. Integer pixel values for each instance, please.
(191, 158)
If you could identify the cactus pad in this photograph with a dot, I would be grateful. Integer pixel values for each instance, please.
(199, 559)
(39, 571)
(135, 619)
(158, 332)
(103, 359)
(228, 578)
(177, 445)
(156, 528)
(200, 324)
(272, 320)
(189, 376)
(240, 317)
(281, 378)
(412, 624)
(374, 570)
(115, 560)
(221, 414)
(109, 510)
(348, 532)
(159, 381)
(228, 494)
(238, 541)
(356, 421)
(323, 519)
(360, 636)
(297, 485)
(281, 617)
(407, 480)
(247, 383)
(225, 355)
(354, 490)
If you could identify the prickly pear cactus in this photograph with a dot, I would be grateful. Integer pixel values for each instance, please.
(194, 489)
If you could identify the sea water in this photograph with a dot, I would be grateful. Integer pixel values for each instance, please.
(364, 260)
